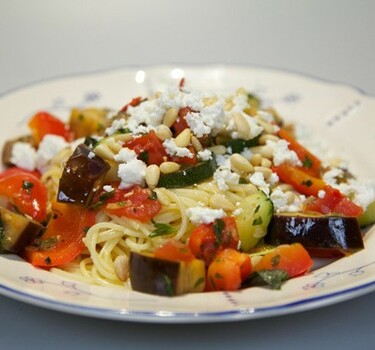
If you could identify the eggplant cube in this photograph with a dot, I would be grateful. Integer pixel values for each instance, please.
(163, 277)
(82, 177)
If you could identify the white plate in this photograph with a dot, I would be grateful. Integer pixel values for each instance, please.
(341, 116)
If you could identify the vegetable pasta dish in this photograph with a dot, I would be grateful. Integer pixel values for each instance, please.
(179, 192)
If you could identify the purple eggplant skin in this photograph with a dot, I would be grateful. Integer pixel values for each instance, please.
(83, 175)
(152, 275)
(322, 236)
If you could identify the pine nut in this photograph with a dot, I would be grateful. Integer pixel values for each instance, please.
(152, 175)
(291, 197)
(163, 132)
(123, 137)
(162, 197)
(219, 149)
(240, 163)
(266, 171)
(265, 163)
(268, 137)
(103, 151)
(218, 201)
(169, 167)
(209, 101)
(183, 139)
(256, 159)
(268, 128)
(121, 267)
(243, 127)
(196, 144)
(113, 145)
(170, 117)
(264, 151)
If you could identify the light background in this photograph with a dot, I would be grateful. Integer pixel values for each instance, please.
(333, 40)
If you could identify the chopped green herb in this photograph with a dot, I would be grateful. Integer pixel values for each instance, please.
(307, 183)
(47, 260)
(47, 243)
(218, 228)
(91, 142)
(275, 260)
(258, 221)
(102, 199)
(254, 101)
(123, 131)
(153, 196)
(272, 278)
(257, 209)
(199, 282)
(81, 117)
(161, 229)
(169, 288)
(143, 156)
(218, 276)
(307, 162)
(27, 185)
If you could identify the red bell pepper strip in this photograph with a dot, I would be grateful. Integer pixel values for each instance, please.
(25, 191)
(228, 270)
(293, 259)
(310, 163)
(44, 123)
(61, 242)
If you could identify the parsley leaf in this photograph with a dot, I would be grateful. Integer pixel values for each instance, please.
(307, 162)
(271, 278)
(161, 229)
(258, 221)
(307, 183)
(218, 228)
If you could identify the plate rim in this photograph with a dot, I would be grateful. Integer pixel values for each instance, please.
(300, 305)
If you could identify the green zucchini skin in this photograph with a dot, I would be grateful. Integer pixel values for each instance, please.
(189, 176)
(368, 217)
(239, 145)
(322, 236)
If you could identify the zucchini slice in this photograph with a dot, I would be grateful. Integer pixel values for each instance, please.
(189, 176)
(252, 222)
(239, 145)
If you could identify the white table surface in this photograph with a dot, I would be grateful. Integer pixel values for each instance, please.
(333, 40)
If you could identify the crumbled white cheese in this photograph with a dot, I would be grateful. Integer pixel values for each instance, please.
(199, 215)
(282, 154)
(258, 180)
(197, 125)
(223, 160)
(209, 119)
(240, 103)
(237, 211)
(321, 194)
(280, 202)
(91, 155)
(48, 148)
(223, 177)
(117, 125)
(255, 128)
(172, 149)
(23, 156)
(125, 155)
(205, 155)
(132, 173)
(330, 177)
(266, 116)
